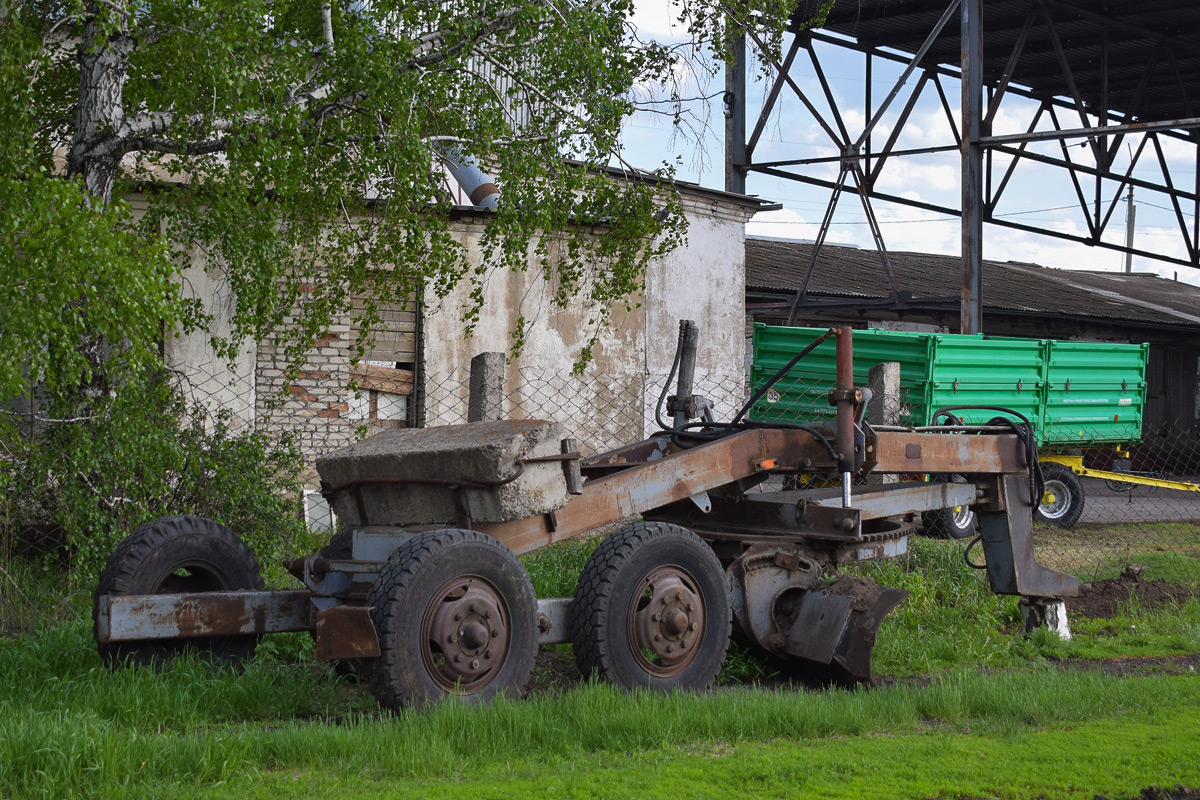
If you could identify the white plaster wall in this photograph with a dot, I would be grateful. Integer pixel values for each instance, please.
(705, 281)
(612, 403)
(207, 378)
(603, 403)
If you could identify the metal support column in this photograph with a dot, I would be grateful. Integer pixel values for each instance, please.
(972, 166)
(735, 119)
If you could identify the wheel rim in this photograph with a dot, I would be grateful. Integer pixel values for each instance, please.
(666, 621)
(465, 634)
(964, 517)
(1062, 500)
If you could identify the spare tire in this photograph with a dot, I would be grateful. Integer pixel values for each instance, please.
(178, 555)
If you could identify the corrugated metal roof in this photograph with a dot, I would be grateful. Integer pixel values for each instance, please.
(1131, 35)
(1007, 285)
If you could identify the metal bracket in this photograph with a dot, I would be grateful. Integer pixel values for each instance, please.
(345, 632)
(853, 395)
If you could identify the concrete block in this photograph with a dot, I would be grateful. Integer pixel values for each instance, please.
(486, 388)
(479, 452)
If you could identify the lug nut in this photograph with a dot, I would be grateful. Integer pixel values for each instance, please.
(691, 606)
(654, 617)
(695, 626)
(458, 616)
(452, 638)
(475, 664)
(488, 654)
(457, 658)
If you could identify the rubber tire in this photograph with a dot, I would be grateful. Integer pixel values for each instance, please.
(1067, 480)
(402, 592)
(600, 612)
(945, 523)
(340, 546)
(147, 561)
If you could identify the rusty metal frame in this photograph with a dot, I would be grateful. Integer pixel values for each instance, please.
(184, 616)
(656, 483)
(986, 179)
(675, 477)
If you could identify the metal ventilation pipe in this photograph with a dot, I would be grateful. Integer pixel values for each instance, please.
(478, 185)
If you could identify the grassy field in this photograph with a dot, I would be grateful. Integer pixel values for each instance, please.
(1024, 726)
(1162, 550)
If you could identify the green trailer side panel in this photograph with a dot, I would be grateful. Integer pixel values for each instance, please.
(977, 371)
(1096, 392)
(1074, 392)
(801, 395)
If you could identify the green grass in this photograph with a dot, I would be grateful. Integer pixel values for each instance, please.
(555, 569)
(69, 727)
(286, 727)
(950, 618)
(34, 593)
(1073, 761)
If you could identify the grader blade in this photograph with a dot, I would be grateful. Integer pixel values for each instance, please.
(834, 632)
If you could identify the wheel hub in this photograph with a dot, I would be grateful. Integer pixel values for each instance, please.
(1059, 500)
(465, 634)
(666, 621)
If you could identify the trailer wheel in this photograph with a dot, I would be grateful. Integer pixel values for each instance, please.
(456, 617)
(652, 610)
(178, 555)
(1067, 490)
(950, 523)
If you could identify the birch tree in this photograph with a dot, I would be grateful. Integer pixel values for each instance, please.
(299, 146)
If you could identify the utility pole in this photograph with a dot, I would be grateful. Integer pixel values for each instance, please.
(971, 315)
(735, 118)
(1130, 213)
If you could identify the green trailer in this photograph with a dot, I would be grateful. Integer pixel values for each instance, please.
(1077, 395)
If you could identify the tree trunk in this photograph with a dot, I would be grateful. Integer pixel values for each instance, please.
(103, 70)
(100, 111)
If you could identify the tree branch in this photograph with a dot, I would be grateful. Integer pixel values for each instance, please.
(147, 130)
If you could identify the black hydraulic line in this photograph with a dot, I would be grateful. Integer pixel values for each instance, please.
(967, 554)
(1024, 432)
(778, 375)
(662, 397)
(723, 429)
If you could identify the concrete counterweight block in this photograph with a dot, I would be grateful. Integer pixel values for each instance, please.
(478, 451)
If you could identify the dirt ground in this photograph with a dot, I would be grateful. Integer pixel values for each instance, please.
(1149, 793)
(1159, 793)
(1103, 599)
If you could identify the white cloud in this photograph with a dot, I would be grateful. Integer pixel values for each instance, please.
(789, 224)
(918, 177)
(657, 19)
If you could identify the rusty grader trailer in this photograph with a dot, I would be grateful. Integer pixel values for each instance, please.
(423, 592)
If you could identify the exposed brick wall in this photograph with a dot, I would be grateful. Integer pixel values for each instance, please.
(312, 406)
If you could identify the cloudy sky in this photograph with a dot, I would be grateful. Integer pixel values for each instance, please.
(1037, 195)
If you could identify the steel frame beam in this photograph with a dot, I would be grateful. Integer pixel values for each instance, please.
(988, 161)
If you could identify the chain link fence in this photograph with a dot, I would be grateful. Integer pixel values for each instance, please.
(1143, 516)
(1135, 510)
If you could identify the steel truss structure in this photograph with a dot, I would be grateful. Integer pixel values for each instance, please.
(1122, 75)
